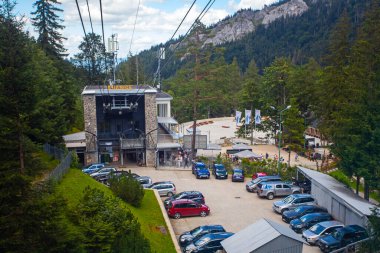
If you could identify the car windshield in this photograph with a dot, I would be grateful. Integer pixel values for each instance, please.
(196, 231)
(337, 234)
(288, 199)
(304, 218)
(238, 173)
(202, 241)
(178, 196)
(200, 166)
(317, 229)
(220, 169)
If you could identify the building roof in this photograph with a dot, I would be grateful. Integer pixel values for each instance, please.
(166, 120)
(257, 235)
(339, 190)
(117, 89)
(241, 147)
(247, 154)
(76, 137)
(163, 96)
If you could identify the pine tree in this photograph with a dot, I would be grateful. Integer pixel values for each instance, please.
(47, 24)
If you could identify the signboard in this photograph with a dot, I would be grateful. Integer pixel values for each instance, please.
(200, 141)
(120, 87)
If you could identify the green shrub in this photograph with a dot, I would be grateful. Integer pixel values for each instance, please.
(128, 189)
(74, 161)
(341, 177)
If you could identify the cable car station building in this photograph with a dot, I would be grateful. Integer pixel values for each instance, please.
(127, 124)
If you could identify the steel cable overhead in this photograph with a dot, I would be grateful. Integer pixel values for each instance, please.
(134, 27)
(89, 15)
(200, 16)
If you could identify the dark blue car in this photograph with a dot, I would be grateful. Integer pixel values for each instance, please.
(202, 172)
(342, 237)
(188, 237)
(219, 171)
(300, 211)
(208, 243)
(308, 220)
(237, 175)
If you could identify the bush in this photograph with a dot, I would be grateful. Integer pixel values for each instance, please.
(128, 189)
(341, 177)
(74, 161)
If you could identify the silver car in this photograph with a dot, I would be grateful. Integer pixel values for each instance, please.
(293, 201)
(276, 189)
(165, 188)
(323, 228)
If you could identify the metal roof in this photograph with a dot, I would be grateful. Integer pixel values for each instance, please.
(339, 190)
(166, 120)
(76, 137)
(257, 235)
(162, 95)
(247, 154)
(241, 147)
(168, 145)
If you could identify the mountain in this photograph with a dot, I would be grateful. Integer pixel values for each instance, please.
(298, 29)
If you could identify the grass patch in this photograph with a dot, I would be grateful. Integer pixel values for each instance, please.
(343, 178)
(149, 214)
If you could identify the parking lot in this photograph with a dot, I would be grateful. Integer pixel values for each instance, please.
(230, 204)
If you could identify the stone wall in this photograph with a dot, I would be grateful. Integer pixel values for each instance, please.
(150, 127)
(91, 131)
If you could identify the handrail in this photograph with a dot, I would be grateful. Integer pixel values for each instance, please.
(346, 248)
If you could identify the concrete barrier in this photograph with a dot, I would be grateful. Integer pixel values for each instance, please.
(167, 221)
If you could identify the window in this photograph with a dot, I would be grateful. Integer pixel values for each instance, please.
(191, 205)
(278, 186)
(286, 186)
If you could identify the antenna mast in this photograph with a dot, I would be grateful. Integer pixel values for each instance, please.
(161, 56)
(113, 47)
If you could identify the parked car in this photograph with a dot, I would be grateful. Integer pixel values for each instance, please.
(197, 165)
(259, 174)
(202, 172)
(186, 207)
(276, 189)
(195, 196)
(93, 168)
(237, 175)
(102, 172)
(342, 237)
(251, 186)
(208, 243)
(290, 215)
(320, 229)
(164, 188)
(219, 171)
(188, 237)
(308, 220)
(145, 181)
(293, 201)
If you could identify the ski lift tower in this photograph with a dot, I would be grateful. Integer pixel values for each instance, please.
(161, 56)
(113, 47)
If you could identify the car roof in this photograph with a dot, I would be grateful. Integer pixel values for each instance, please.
(212, 226)
(311, 207)
(177, 201)
(330, 223)
(353, 228)
(199, 163)
(219, 165)
(162, 182)
(270, 177)
(312, 215)
(217, 235)
(237, 169)
(302, 195)
(190, 192)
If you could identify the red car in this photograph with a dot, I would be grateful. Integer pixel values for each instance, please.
(186, 207)
(259, 174)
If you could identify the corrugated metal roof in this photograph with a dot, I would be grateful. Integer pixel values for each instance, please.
(345, 195)
(76, 137)
(257, 235)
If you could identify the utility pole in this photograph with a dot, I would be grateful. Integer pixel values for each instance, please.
(113, 47)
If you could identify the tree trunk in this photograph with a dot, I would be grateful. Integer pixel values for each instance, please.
(20, 147)
(366, 189)
(357, 184)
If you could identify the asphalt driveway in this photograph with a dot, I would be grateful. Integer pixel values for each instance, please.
(230, 204)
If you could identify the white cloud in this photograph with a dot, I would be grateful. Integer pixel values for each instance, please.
(253, 4)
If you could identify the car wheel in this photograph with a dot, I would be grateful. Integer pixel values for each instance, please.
(170, 194)
(296, 192)
(270, 196)
(203, 214)
(177, 215)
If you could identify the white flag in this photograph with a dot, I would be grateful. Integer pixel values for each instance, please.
(247, 116)
(238, 117)
(257, 117)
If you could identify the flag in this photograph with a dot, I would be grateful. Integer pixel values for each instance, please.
(247, 116)
(257, 117)
(238, 117)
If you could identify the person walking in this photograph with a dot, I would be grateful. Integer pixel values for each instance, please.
(296, 157)
(266, 155)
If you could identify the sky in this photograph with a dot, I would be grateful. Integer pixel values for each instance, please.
(156, 21)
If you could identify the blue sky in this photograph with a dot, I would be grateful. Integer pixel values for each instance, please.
(156, 21)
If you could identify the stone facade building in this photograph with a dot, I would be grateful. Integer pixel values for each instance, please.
(127, 124)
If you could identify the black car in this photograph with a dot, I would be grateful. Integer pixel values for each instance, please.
(342, 237)
(207, 243)
(196, 196)
(308, 220)
(189, 236)
(219, 171)
(288, 216)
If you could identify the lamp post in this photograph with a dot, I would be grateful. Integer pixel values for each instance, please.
(280, 137)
